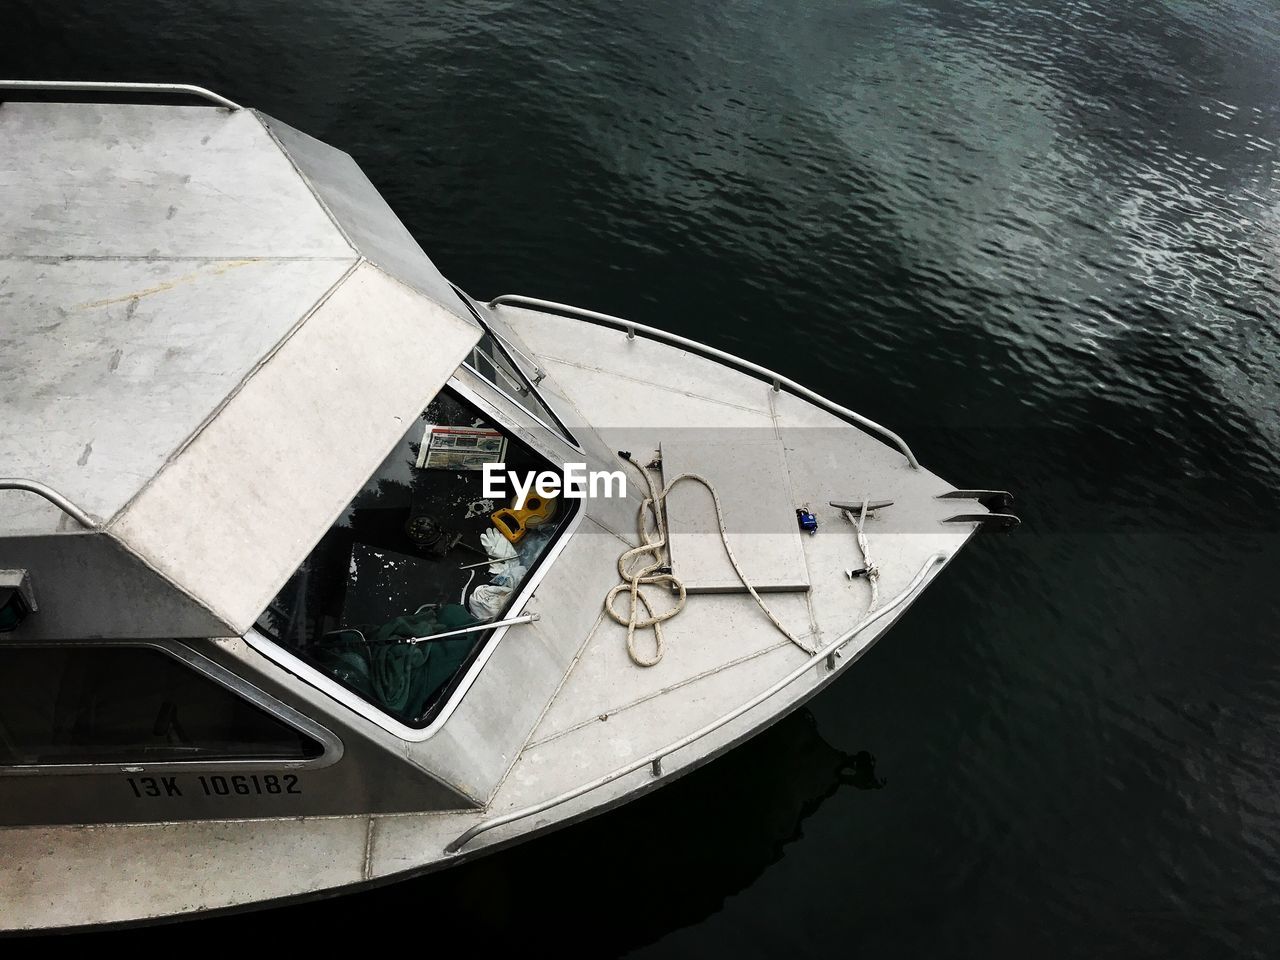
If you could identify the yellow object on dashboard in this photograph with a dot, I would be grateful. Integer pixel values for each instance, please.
(515, 521)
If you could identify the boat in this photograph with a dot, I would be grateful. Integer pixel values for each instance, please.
(317, 573)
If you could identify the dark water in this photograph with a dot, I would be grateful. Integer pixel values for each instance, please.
(1041, 241)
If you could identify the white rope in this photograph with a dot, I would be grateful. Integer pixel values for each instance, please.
(658, 570)
(873, 572)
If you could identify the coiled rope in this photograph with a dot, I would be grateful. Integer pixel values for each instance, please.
(658, 570)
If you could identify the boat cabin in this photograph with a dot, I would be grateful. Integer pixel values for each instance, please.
(247, 563)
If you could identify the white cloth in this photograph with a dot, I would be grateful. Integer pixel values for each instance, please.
(487, 601)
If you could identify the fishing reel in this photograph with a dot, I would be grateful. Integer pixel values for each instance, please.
(426, 533)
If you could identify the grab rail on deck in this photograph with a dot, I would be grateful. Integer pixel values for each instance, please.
(654, 760)
(50, 494)
(747, 366)
(97, 86)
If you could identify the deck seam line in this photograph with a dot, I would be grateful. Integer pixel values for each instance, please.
(528, 741)
(368, 850)
(629, 544)
(573, 662)
(306, 181)
(109, 523)
(53, 259)
(711, 671)
(815, 630)
(657, 386)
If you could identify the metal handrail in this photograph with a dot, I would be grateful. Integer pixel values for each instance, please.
(764, 373)
(108, 87)
(52, 495)
(654, 760)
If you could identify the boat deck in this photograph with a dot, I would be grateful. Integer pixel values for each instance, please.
(608, 712)
(721, 650)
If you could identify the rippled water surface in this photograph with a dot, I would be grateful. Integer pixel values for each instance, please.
(1038, 239)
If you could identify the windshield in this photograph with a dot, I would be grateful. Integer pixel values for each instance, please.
(491, 358)
(418, 552)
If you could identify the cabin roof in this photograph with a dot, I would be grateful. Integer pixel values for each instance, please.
(187, 296)
(151, 259)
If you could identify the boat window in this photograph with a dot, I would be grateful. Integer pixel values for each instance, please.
(491, 359)
(492, 362)
(89, 704)
(419, 552)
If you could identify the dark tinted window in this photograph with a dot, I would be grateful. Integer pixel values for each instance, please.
(128, 705)
(418, 552)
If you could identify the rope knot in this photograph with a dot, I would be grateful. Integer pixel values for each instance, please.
(658, 570)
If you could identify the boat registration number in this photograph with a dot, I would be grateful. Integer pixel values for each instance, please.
(217, 785)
